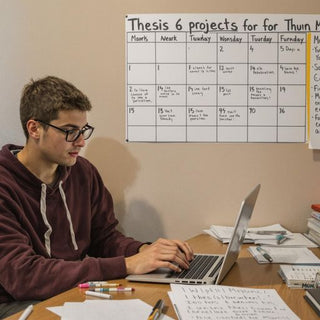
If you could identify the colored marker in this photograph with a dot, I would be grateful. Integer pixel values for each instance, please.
(98, 284)
(120, 289)
(265, 254)
(98, 294)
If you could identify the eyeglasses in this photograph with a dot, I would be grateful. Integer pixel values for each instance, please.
(72, 134)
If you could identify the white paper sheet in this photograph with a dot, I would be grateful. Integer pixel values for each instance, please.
(131, 309)
(286, 255)
(224, 233)
(203, 302)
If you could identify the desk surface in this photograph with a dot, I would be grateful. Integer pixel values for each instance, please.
(245, 273)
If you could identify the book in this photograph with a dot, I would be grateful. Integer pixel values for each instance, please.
(299, 276)
(315, 207)
(313, 298)
(316, 215)
(314, 221)
(314, 224)
(313, 236)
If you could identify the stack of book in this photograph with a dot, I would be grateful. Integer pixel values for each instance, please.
(313, 224)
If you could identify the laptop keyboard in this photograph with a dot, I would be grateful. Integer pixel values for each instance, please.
(199, 267)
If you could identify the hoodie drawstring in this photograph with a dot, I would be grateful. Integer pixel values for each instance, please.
(73, 237)
(43, 210)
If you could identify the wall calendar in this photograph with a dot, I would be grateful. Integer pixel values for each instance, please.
(223, 78)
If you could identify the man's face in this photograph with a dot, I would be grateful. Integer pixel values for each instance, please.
(54, 148)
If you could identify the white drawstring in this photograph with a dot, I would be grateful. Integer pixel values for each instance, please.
(63, 196)
(43, 209)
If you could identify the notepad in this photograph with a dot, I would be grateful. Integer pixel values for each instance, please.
(286, 255)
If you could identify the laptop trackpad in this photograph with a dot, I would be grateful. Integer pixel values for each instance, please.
(161, 272)
(160, 275)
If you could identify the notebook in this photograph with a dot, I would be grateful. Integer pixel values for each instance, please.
(208, 268)
(313, 298)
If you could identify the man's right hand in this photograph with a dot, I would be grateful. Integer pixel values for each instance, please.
(163, 253)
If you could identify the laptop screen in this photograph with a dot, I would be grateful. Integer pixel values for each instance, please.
(239, 233)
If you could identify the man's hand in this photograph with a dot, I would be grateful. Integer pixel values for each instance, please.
(172, 254)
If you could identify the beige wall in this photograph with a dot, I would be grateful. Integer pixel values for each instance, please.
(172, 190)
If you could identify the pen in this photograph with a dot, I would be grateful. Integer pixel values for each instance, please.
(156, 311)
(268, 231)
(26, 312)
(265, 254)
(98, 284)
(98, 294)
(119, 289)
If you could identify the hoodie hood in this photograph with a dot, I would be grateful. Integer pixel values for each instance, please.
(29, 181)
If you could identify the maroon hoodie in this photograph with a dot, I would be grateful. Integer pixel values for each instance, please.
(53, 238)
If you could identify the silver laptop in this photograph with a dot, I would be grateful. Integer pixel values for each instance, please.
(208, 268)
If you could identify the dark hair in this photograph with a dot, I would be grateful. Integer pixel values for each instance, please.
(44, 98)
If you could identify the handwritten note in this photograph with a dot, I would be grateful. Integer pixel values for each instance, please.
(315, 91)
(205, 302)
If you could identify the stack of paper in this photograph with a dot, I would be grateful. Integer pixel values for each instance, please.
(263, 236)
(131, 309)
(270, 232)
(223, 302)
(293, 240)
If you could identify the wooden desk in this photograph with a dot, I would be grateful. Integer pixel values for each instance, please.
(245, 273)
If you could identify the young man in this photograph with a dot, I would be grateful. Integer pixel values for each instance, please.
(57, 224)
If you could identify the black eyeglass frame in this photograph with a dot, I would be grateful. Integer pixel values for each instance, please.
(69, 131)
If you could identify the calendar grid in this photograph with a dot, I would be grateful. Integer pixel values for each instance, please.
(233, 87)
